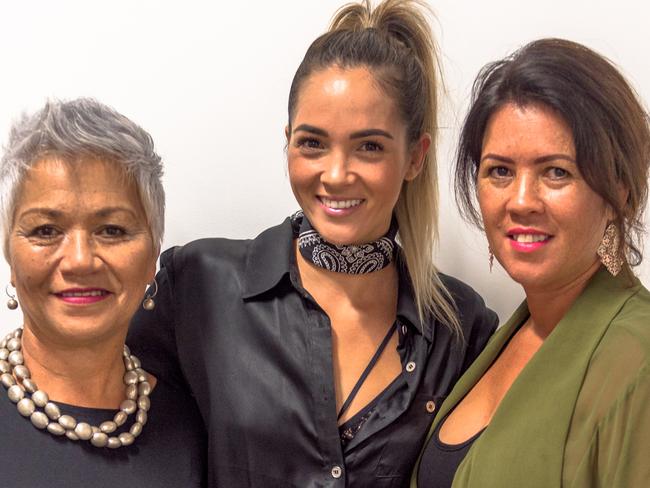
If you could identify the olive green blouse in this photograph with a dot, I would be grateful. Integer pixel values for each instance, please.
(578, 414)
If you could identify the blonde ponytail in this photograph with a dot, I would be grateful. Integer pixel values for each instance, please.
(394, 41)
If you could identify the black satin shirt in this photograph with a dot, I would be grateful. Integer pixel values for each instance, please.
(233, 322)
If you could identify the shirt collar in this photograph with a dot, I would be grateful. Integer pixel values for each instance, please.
(269, 260)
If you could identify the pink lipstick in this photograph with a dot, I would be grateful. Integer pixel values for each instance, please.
(528, 239)
(83, 296)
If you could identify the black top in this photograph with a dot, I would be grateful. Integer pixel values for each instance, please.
(169, 453)
(256, 350)
(440, 460)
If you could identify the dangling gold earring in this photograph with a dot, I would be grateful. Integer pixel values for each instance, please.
(608, 250)
(12, 303)
(148, 303)
(490, 258)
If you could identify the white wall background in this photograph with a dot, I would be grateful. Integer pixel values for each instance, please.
(210, 80)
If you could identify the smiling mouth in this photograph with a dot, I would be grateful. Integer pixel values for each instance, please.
(529, 238)
(86, 296)
(88, 293)
(340, 204)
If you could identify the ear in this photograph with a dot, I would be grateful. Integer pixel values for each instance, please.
(287, 133)
(417, 156)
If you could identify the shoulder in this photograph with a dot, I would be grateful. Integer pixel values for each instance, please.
(227, 254)
(620, 364)
(477, 321)
(208, 252)
(633, 319)
(459, 289)
(469, 304)
(628, 337)
(628, 334)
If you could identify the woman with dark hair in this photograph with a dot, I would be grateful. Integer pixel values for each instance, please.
(319, 350)
(556, 147)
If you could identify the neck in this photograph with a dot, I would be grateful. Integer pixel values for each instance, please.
(86, 375)
(364, 291)
(548, 307)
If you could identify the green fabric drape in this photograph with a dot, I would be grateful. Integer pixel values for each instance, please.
(578, 414)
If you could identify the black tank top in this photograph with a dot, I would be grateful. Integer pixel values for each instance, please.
(440, 461)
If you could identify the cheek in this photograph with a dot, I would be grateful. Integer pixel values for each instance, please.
(585, 222)
(298, 174)
(27, 269)
(489, 202)
(581, 211)
(140, 275)
(386, 178)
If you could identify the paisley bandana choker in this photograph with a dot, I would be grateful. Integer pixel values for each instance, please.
(350, 259)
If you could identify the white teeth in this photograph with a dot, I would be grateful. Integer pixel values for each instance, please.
(529, 238)
(340, 203)
(93, 293)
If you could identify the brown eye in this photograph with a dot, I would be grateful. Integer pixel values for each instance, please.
(309, 143)
(557, 173)
(371, 146)
(500, 172)
(45, 232)
(113, 231)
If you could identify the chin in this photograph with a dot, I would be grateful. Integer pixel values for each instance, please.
(526, 275)
(339, 238)
(338, 234)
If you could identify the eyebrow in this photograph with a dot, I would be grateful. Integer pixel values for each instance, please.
(370, 132)
(311, 129)
(355, 135)
(540, 160)
(54, 214)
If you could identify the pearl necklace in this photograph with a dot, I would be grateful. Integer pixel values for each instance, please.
(16, 378)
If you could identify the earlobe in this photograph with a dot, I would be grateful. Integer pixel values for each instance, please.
(287, 134)
(418, 155)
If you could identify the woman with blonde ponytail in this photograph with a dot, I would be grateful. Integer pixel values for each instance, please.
(319, 351)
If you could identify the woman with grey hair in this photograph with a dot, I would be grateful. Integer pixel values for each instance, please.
(82, 210)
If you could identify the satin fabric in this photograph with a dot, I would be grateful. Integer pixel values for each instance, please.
(232, 320)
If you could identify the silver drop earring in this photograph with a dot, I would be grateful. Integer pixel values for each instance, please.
(148, 303)
(12, 303)
(490, 258)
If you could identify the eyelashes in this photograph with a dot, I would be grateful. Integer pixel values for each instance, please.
(313, 144)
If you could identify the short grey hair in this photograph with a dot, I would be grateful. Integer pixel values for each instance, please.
(73, 130)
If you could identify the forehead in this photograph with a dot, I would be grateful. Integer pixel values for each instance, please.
(345, 97)
(527, 129)
(87, 181)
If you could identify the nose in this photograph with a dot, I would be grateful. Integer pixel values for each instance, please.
(336, 170)
(525, 197)
(78, 254)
